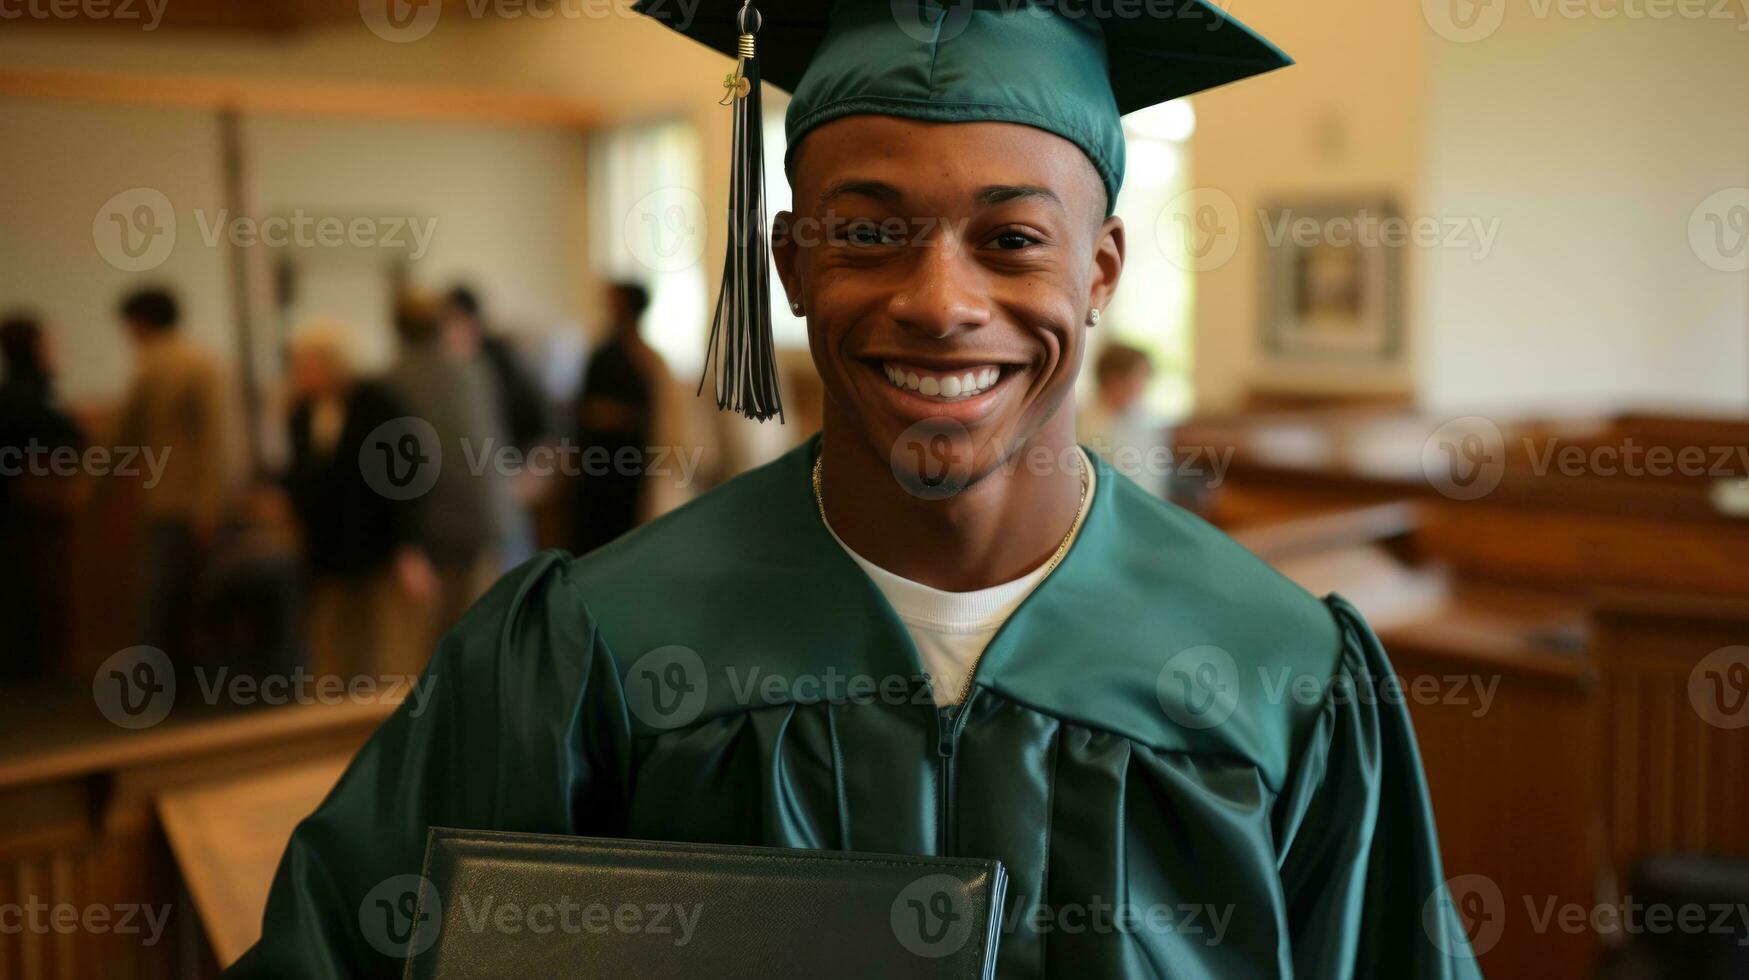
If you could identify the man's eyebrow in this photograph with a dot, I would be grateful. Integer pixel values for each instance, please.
(1003, 193)
(875, 189)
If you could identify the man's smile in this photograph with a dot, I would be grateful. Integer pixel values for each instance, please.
(965, 390)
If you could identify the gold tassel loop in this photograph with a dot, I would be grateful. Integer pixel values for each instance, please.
(735, 83)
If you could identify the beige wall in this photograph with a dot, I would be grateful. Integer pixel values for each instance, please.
(1341, 122)
(1592, 140)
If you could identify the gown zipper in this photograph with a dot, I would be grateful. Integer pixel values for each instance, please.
(947, 738)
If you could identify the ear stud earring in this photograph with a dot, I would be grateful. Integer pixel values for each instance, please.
(1093, 318)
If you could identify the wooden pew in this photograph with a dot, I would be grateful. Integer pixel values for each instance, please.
(1505, 703)
(1675, 675)
(79, 823)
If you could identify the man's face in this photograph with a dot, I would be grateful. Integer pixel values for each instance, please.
(946, 271)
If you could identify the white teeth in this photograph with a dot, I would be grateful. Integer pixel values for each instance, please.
(962, 385)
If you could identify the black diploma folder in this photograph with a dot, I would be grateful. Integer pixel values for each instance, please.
(530, 906)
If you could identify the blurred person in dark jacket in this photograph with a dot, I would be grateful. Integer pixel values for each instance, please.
(177, 406)
(459, 521)
(32, 505)
(521, 410)
(615, 418)
(368, 583)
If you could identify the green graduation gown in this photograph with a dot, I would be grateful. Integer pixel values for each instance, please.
(1183, 759)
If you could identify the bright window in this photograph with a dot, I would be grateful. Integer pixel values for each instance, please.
(649, 225)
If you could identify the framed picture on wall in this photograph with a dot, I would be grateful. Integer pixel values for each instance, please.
(1333, 280)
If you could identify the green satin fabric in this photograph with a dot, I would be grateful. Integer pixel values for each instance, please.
(1302, 822)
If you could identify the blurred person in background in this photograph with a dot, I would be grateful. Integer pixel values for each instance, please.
(520, 407)
(1115, 419)
(367, 581)
(459, 522)
(177, 406)
(32, 510)
(616, 411)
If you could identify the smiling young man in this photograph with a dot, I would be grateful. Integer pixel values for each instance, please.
(939, 626)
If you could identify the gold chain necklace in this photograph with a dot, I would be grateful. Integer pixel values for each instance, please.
(1062, 549)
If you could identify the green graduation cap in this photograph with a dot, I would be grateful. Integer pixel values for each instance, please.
(1070, 67)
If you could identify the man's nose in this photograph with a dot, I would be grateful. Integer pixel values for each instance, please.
(945, 292)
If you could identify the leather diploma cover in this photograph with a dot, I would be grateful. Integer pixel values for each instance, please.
(531, 906)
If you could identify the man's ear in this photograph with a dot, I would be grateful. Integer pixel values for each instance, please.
(1108, 250)
(783, 252)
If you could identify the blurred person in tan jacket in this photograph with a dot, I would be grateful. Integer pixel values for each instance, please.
(177, 407)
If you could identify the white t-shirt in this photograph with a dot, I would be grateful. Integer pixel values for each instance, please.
(951, 629)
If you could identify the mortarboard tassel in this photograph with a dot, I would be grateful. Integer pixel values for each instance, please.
(740, 353)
